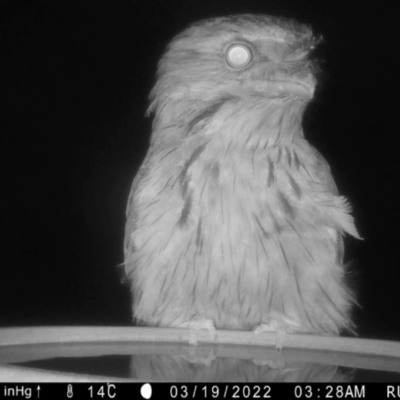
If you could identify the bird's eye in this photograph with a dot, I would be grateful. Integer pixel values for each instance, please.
(239, 56)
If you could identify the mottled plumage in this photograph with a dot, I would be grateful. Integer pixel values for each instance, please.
(234, 217)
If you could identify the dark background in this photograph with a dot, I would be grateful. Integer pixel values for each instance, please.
(74, 81)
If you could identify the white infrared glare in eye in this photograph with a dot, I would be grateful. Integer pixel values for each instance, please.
(239, 56)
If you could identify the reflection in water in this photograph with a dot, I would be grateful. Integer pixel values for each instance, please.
(229, 369)
(177, 362)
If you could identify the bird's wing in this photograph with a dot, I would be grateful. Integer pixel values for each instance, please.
(323, 172)
(129, 246)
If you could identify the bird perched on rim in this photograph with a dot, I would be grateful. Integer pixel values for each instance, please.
(234, 220)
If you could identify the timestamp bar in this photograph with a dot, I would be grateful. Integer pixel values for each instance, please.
(200, 390)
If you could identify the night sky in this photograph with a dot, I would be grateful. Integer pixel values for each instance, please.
(74, 82)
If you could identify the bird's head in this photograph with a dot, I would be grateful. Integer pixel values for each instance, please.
(255, 59)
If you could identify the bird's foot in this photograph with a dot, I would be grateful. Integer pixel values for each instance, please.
(280, 327)
(280, 334)
(196, 325)
(277, 361)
